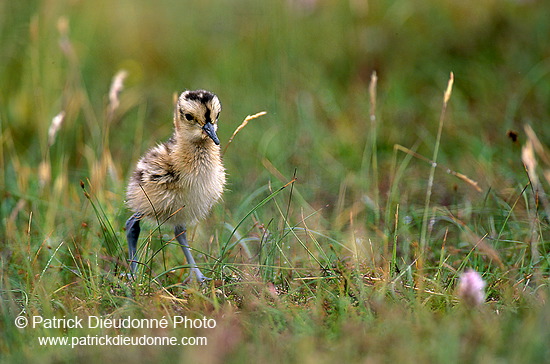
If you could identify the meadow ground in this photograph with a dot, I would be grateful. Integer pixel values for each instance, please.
(339, 238)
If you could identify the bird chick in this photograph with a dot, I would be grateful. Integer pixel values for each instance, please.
(180, 180)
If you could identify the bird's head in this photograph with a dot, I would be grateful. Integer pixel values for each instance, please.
(196, 116)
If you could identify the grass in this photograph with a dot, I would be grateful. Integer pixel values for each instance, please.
(351, 208)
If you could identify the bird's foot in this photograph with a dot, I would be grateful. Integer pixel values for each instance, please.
(196, 276)
(127, 276)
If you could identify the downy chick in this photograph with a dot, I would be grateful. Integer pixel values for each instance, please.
(180, 180)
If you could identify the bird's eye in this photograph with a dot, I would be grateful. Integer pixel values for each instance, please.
(188, 116)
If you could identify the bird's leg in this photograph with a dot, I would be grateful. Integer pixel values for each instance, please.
(132, 235)
(181, 236)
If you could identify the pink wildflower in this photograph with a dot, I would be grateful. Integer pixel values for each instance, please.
(470, 288)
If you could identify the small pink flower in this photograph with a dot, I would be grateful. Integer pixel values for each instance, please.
(470, 288)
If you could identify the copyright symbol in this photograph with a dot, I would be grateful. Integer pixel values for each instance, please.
(21, 322)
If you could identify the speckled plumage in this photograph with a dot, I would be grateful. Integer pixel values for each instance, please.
(180, 180)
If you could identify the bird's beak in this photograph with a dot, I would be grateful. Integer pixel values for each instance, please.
(211, 132)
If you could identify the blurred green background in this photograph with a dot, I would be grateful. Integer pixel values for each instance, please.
(307, 63)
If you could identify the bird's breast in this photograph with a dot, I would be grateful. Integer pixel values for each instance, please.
(177, 185)
(199, 191)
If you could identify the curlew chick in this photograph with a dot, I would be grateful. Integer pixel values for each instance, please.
(180, 180)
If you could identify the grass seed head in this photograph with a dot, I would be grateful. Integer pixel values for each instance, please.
(55, 126)
(117, 86)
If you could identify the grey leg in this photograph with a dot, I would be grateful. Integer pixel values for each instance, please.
(132, 235)
(181, 236)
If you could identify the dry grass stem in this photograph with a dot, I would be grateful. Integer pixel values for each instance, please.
(537, 145)
(372, 93)
(44, 168)
(116, 88)
(459, 175)
(530, 162)
(449, 89)
(372, 169)
(427, 201)
(243, 124)
(44, 172)
(64, 41)
(55, 126)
